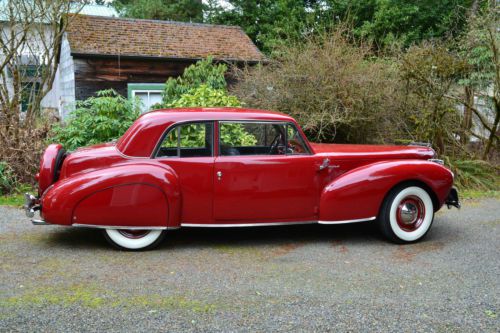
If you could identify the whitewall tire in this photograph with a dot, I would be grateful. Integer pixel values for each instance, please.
(134, 239)
(406, 214)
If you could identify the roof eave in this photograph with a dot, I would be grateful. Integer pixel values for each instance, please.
(173, 59)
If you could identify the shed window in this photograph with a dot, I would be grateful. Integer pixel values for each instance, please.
(148, 94)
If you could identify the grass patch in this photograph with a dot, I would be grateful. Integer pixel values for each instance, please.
(479, 194)
(74, 295)
(16, 198)
(93, 297)
(13, 200)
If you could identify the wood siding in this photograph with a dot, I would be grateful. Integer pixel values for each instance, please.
(94, 74)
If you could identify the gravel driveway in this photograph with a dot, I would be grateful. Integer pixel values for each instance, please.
(301, 278)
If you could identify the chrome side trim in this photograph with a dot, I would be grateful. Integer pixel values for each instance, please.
(120, 227)
(348, 221)
(131, 157)
(262, 224)
(435, 160)
(39, 222)
(423, 144)
(213, 225)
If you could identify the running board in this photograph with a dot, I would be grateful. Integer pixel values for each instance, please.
(271, 224)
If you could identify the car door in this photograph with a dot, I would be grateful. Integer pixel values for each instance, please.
(188, 149)
(261, 175)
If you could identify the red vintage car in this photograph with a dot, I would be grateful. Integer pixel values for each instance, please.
(231, 167)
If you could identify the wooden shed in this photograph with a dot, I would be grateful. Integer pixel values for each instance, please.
(135, 57)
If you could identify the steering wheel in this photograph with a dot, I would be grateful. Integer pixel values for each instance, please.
(275, 144)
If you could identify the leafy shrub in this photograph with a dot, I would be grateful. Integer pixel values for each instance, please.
(430, 72)
(204, 72)
(97, 119)
(8, 181)
(21, 154)
(193, 135)
(209, 97)
(475, 174)
(236, 135)
(205, 96)
(336, 90)
(203, 85)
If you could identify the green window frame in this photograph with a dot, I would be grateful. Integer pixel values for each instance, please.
(133, 88)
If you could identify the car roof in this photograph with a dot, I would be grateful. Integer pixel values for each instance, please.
(140, 139)
(218, 113)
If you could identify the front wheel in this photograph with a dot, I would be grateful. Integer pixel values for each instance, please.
(407, 214)
(134, 239)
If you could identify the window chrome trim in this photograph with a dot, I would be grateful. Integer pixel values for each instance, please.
(304, 140)
(277, 122)
(175, 126)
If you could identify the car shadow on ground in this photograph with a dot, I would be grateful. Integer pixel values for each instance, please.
(271, 236)
(363, 234)
(199, 238)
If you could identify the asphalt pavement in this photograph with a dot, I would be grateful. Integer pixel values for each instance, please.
(273, 279)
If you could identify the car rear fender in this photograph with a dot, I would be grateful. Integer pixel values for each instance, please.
(359, 193)
(128, 194)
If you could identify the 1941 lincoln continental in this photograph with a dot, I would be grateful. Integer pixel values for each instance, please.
(231, 167)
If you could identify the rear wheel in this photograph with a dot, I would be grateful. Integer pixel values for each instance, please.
(407, 214)
(126, 239)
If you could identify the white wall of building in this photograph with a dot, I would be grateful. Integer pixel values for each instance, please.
(66, 80)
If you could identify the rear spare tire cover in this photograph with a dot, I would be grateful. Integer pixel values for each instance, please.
(50, 165)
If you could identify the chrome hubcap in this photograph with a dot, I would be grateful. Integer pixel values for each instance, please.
(133, 234)
(409, 213)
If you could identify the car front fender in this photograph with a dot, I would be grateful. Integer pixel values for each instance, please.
(359, 193)
(128, 194)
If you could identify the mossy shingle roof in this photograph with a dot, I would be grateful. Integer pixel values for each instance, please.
(94, 35)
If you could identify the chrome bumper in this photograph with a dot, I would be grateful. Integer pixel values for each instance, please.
(452, 199)
(31, 206)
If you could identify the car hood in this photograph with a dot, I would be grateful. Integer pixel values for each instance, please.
(373, 151)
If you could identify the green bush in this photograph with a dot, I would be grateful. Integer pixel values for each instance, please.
(97, 119)
(209, 97)
(474, 174)
(204, 72)
(8, 181)
(236, 135)
(203, 85)
(205, 96)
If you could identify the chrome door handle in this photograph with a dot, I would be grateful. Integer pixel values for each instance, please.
(325, 164)
(219, 175)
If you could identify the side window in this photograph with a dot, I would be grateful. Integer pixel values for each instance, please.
(296, 145)
(188, 140)
(247, 138)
